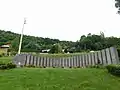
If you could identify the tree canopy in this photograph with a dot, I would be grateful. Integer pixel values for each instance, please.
(117, 5)
(37, 44)
(56, 48)
(30, 43)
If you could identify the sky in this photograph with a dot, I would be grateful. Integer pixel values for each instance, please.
(60, 19)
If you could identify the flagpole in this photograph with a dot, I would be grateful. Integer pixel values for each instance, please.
(20, 44)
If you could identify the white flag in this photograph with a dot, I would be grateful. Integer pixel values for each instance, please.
(25, 21)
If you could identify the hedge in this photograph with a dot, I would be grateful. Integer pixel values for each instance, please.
(4, 66)
(114, 69)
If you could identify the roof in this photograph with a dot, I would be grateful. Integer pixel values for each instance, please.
(5, 46)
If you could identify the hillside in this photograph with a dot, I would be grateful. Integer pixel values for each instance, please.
(30, 43)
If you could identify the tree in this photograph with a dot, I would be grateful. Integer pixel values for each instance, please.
(15, 44)
(31, 43)
(56, 48)
(66, 50)
(117, 5)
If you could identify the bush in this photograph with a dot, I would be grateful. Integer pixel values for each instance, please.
(10, 65)
(2, 67)
(7, 66)
(114, 69)
(97, 66)
(2, 54)
(118, 49)
(30, 66)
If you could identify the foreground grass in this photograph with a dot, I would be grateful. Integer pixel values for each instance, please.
(58, 79)
(6, 59)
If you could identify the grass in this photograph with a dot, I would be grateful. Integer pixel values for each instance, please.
(6, 59)
(58, 55)
(58, 79)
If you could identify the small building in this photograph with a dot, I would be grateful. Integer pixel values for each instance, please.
(4, 49)
(45, 51)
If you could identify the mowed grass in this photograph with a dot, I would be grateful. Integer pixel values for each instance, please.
(58, 79)
(6, 59)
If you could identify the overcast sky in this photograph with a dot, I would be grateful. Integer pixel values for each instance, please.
(60, 19)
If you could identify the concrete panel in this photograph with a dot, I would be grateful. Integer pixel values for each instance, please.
(61, 64)
(83, 60)
(57, 62)
(28, 60)
(89, 59)
(42, 62)
(74, 61)
(64, 60)
(69, 62)
(109, 59)
(100, 57)
(53, 62)
(104, 57)
(20, 59)
(77, 61)
(38, 61)
(48, 63)
(114, 55)
(93, 58)
(31, 61)
(96, 58)
(35, 63)
(86, 59)
(80, 60)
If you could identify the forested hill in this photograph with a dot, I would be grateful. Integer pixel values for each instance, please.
(85, 43)
(30, 43)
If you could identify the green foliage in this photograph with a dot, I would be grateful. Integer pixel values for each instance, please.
(117, 5)
(97, 66)
(114, 69)
(56, 48)
(15, 44)
(30, 43)
(37, 44)
(118, 49)
(1, 55)
(29, 66)
(11, 65)
(4, 66)
(66, 50)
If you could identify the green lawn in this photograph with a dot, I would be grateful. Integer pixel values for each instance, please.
(6, 59)
(58, 79)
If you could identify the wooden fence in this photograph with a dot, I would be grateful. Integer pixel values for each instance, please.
(104, 57)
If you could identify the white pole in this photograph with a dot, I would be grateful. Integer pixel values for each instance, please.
(21, 37)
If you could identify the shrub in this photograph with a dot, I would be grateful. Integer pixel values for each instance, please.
(0, 55)
(114, 69)
(118, 49)
(2, 67)
(7, 66)
(30, 66)
(10, 65)
(97, 66)
(1, 63)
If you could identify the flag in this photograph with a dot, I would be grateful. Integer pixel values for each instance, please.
(25, 21)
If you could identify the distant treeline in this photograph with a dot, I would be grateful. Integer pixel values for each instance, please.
(36, 44)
